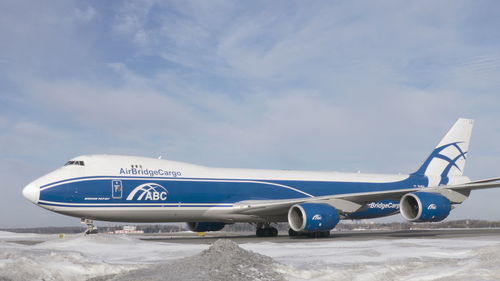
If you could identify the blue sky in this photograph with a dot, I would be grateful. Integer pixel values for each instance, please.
(322, 85)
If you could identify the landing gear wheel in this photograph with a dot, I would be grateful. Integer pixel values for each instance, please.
(292, 233)
(266, 232)
(91, 228)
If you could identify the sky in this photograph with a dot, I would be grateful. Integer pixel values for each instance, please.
(368, 86)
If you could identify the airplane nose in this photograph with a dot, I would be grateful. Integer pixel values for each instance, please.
(31, 192)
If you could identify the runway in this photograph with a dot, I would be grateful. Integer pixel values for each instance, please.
(361, 235)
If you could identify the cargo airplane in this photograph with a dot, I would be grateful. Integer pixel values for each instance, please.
(136, 189)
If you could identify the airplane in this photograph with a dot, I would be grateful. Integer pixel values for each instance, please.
(138, 189)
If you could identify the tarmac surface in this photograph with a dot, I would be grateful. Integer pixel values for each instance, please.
(361, 235)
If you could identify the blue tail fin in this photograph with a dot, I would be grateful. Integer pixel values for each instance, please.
(448, 158)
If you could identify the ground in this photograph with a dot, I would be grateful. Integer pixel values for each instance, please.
(118, 257)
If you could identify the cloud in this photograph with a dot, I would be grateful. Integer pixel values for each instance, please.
(317, 85)
(218, 60)
(18, 139)
(86, 14)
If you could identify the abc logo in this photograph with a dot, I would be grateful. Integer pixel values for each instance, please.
(148, 192)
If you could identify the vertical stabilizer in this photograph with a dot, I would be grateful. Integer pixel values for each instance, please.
(448, 158)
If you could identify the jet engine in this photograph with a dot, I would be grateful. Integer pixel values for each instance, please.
(312, 217)
(424, 207)
(205, 226)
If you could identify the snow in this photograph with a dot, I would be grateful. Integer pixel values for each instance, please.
(104, 257)
(401, 259)
(78, 257)
(224, 260)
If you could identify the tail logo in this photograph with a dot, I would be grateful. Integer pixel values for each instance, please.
(448, 159)
(443, 159)
(452, 162)
(148, 192)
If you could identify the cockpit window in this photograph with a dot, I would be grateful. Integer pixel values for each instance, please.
(77, 163)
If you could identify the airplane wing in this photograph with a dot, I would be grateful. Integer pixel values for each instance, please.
(351, 202)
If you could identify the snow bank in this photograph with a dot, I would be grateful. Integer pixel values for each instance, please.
(11, 236)
(224, 260)
(122, 249)
(30, 264)
(78, 257)
(401, 259)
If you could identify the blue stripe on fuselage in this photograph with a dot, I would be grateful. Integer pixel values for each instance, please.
(128, 205)
(98, 190)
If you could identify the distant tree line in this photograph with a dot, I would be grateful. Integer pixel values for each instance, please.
(282, 227)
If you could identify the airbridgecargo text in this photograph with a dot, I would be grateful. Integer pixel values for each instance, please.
(381, 206)
(149, 172)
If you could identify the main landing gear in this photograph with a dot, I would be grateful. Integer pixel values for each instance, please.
(91, 228)
(264, 230)
(316, 234)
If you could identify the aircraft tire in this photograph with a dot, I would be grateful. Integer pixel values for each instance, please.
(292, 233)
(266, 232)
(274, 232)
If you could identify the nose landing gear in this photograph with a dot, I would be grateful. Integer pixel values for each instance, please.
(91, 228)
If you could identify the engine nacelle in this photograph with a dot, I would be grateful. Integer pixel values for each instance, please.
(205, 226)
(424, 207)
(312, 217)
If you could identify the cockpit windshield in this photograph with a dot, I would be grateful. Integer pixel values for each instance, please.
(77, 163)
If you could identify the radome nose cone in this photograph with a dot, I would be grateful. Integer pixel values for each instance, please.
(32, 193)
